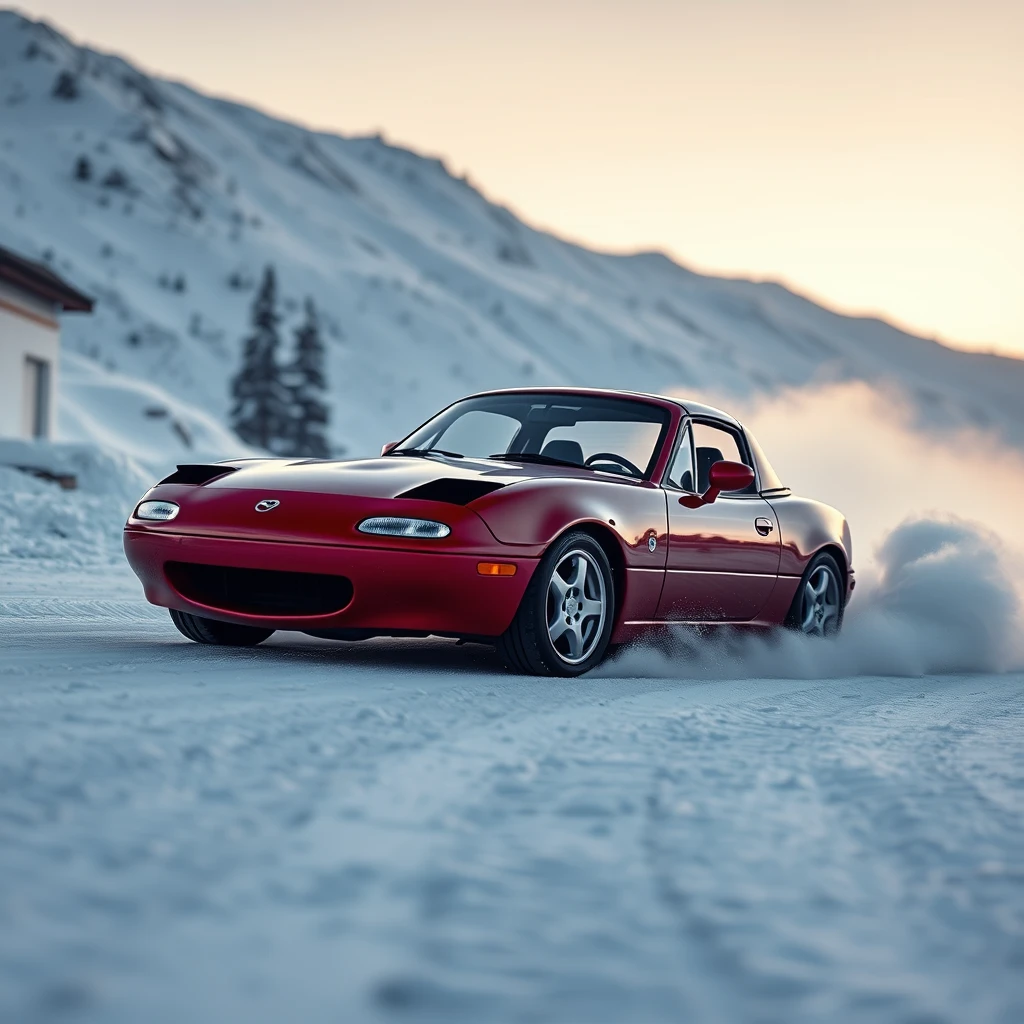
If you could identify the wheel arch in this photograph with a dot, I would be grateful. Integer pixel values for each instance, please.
(841, 560)
(836, 553)
(612, 547)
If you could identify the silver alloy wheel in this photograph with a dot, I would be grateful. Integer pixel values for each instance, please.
(576, 606)
(820, 612)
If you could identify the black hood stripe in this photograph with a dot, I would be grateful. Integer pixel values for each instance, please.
(198, 474)
(452, 491)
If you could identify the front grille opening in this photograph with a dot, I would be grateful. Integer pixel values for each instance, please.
(260, 591)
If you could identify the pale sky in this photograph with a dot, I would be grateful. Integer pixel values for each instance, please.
(870, 154)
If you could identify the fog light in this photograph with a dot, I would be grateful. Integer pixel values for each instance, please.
(398, 526)
(159, 511)
(495, 568)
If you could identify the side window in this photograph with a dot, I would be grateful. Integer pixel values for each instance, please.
(479, 433)
(680, 474)
(715, 444)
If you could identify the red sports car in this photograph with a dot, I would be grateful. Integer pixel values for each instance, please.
(549, 522)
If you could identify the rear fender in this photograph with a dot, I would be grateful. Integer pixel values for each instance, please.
(805, 528)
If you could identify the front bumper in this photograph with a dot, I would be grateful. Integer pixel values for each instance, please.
(392, 590)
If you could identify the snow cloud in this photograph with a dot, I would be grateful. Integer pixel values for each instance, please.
(872, 453)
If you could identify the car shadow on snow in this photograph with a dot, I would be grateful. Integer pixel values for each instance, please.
(382, 653)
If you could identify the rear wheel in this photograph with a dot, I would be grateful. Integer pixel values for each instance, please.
(565, 620)
(818, 606)
(213, 631)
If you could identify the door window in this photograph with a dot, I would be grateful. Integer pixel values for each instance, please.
(717, 444)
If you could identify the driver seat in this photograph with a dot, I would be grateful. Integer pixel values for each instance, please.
(706, 458)
(567, 451)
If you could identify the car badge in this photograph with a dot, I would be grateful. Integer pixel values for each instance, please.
(652, 543)
(267, 504)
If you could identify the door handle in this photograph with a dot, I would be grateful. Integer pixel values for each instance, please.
(763, 525)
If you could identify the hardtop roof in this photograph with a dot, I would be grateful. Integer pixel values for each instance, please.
(687, 405)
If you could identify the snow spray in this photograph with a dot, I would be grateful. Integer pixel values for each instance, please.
(942, 602)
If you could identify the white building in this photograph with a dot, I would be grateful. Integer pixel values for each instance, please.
(32, 298)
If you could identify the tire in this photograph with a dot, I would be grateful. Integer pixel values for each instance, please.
(559, 630)
(212, 631)
(820, 600)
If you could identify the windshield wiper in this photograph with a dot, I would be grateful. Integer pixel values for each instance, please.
(422, 452)
(543, 460)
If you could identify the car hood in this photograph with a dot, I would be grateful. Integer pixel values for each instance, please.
(323, 502)
(390, 477)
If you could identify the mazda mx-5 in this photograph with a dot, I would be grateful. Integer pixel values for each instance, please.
(551, 523)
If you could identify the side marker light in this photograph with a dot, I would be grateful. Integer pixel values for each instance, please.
(495, 569)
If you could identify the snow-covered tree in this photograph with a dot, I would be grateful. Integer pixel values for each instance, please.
(306, 379)
(65, 87)
(259, 415)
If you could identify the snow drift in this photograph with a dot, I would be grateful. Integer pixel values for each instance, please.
(38, 520)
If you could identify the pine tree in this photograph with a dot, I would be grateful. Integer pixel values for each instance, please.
(259, 415)
(307, 386)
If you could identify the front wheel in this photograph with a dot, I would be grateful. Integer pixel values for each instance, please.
(565, 620)
(818, 606)
(213, 631)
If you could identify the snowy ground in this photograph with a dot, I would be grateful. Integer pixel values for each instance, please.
(323, 832)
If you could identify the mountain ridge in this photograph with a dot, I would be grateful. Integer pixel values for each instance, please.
(428, 289)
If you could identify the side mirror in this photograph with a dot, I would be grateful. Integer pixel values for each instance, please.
(723, 476)
(388, 447)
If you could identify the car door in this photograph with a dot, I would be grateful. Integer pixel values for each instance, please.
(723, 558)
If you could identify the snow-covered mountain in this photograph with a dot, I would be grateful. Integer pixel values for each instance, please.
(166, 204)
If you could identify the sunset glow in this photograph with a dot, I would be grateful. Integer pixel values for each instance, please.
(869, 154)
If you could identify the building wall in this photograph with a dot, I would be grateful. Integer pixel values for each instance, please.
(28, 328)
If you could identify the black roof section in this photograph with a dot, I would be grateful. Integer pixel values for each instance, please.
(41, 281)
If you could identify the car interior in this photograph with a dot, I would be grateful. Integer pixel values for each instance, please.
(706, 458)
(566, 450)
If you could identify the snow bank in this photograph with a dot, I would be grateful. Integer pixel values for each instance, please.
(943, 602)
(106, 472)
(39, 520)
(147, 423)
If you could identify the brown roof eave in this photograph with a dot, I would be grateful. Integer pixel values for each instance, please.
(40, 281)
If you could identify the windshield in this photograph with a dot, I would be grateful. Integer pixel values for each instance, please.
(608, 435)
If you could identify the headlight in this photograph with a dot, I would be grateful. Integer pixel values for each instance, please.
(396, 526)
(161, 511)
